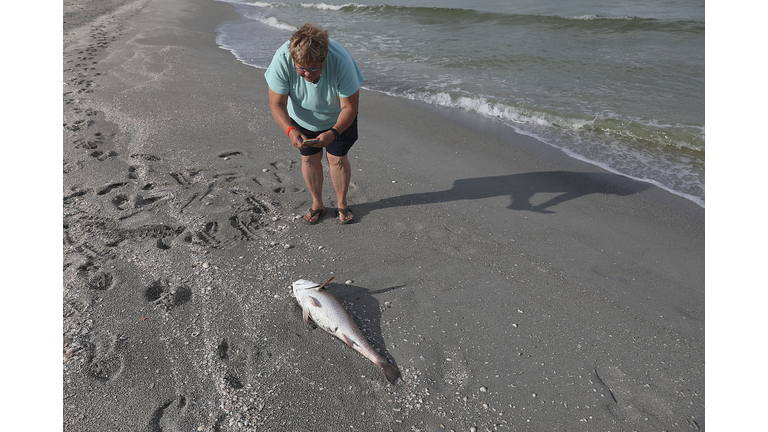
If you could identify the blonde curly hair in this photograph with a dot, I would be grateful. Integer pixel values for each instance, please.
(309, 45)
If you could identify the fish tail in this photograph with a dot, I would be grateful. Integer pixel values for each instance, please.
(390, 371)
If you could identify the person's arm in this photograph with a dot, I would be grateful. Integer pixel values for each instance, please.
(278, 104)
(349, 108)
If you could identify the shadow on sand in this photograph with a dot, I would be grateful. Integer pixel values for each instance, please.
(365, 310)
(521, 188)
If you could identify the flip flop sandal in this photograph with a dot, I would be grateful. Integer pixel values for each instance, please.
(312, 214)
(344, 212)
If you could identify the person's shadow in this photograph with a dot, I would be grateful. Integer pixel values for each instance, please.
(521, 188)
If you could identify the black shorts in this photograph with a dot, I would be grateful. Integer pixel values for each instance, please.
(339, 147)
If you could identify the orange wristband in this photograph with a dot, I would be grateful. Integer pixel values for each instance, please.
(288, 132)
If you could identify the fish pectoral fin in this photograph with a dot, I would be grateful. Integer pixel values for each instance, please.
(306, 304)
(347, 340)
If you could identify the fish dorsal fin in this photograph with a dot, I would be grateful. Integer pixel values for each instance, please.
(322, 287)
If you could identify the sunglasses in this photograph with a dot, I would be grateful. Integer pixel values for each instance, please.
(301, 70)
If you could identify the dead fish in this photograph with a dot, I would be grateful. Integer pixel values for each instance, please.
(329, 315)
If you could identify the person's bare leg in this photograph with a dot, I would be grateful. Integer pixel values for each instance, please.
(341, 173)
(312, 170)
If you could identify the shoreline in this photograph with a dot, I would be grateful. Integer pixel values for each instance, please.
(673, 170)
(599, 165)
(515, 287)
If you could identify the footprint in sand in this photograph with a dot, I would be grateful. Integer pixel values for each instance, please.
(146, 157)
(88, 144)
(168, 416)
(102, 156)
(122, 202)
(280, 177)
(230, 153)
(285, 165)
(95, 277)
(209, 236)
(101, 281)
(133, 201)
(74, 195)
(72, 166)
(241, 358)
(162, 294)
(633, 402)
(187, 177)
(109, 188)
(103, 362)
(247, 223)
(240, 215)
(233, 177)
(136, 171)
(286, 189)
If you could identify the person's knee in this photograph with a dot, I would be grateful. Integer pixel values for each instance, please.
(337, 161)
(312, 160)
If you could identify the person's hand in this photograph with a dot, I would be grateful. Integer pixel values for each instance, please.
(297, 139)
(325, 138)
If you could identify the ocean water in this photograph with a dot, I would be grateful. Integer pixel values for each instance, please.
(617, 84)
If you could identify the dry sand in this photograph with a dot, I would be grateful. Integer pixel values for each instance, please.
(516, 288)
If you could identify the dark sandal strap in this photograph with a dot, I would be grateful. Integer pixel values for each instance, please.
(313, 213)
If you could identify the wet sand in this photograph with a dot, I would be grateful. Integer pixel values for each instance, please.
(516, 288)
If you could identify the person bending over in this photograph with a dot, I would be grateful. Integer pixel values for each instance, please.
(314, 94)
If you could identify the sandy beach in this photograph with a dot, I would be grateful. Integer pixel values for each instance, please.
(516, 288)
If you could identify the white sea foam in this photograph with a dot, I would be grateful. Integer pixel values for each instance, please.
(573, 137)
(274, 23)
(321, 6)
(249, 3)
(325, 6)
(501, 111)
(592, 17)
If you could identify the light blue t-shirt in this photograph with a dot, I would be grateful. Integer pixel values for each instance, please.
(315, 106)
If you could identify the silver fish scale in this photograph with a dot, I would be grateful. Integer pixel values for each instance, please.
(331, 316)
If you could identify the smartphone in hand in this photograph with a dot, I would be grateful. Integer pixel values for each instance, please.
(311, 141)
